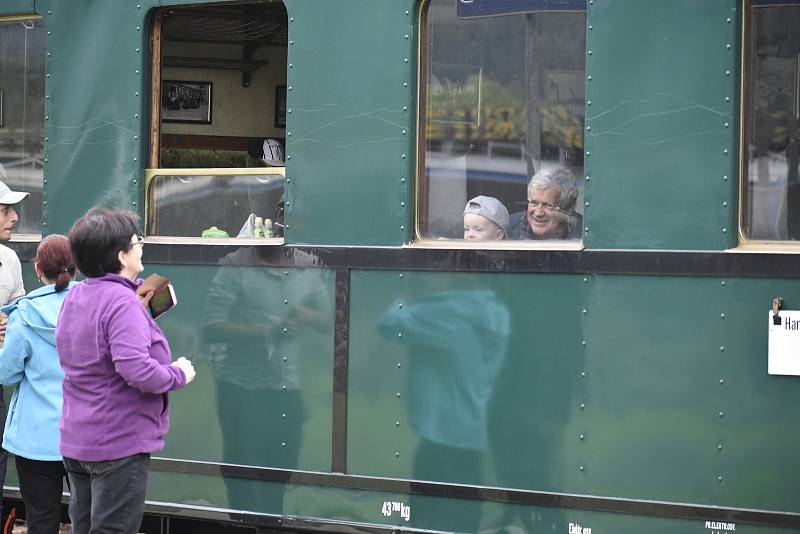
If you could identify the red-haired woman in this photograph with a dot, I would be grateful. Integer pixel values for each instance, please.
(29, 360)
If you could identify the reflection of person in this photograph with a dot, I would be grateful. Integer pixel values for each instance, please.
(29, 360)
(457, 341)
(10, 284)
(552, 194)
(269, 151)
(251, 326)
(485, 218)
(117, 372)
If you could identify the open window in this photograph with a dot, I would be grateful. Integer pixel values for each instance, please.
(22, 63)
(219, 122)
(501, 102)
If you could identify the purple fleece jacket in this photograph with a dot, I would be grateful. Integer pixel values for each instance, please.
(117, 372)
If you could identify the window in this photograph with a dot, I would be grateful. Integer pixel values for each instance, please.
(220, 92)
(502, 100)
(22, 116)
(771, 196)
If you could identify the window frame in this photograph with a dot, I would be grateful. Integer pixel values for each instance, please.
(745, 244)
(421, 182)
(153, 169)
(18, 237)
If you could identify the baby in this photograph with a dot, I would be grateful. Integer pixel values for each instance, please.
(485, 218)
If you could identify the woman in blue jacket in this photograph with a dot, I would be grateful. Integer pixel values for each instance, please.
(29, 360)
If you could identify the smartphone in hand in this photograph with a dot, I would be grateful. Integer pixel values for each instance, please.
(163, 300)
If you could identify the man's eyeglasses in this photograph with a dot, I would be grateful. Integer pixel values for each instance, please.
(546, 206)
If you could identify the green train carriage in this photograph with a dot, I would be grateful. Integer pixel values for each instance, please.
(365, 368)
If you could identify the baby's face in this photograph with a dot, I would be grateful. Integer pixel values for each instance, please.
(479, 228)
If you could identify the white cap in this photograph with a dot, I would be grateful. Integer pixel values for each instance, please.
(7, 196)
(488, 207)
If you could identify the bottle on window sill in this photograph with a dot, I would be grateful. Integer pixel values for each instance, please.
(268, 228)
(258, 231)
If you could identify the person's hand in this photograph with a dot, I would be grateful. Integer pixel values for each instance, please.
(3, 325)
(186, 366)
(145, 299)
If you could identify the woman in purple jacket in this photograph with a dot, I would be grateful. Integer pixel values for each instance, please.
(117, 372)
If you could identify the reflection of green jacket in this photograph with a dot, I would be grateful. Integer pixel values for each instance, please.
(457, 342)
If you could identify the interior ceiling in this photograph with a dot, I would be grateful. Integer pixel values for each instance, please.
(258, 24)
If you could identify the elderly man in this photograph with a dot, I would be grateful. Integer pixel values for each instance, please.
(552, 194)
(11, 287)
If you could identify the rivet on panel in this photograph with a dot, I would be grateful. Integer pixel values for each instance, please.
(719, 478)
(406, 12)
(290, 87)
(45, 139)
(291, 19)
(289, 111)
(134, 181)
(404, 132)
(591, 27)
(48, 54)
(286, 301)
(722, 414)
(285, 358)
(401, 275)
(583, 374)
(135, 158)
(283, 444)
(137, 50)
(137, 71)
(727, 99)
(585, 280)
(399, 334)
(397, 423)
(291, 43)
(288, 134)
(586, 229)
(583, 406)
(405, 108)
(402, 204)
(285, 330)
(399, 365)
(724, 204)
(588, 128)
(135, 115)
(405, 60)
(47, 75)
(138, 28)
(727, 125)
(288, 157)
(588, 178)
(134, 203)
(581, 436)
(586, 203)
(402, 180)
(728, 46)
(723, 283)
(719, 447)
(406, 36)
(582, 468)
(397, 454)
(721, 315)
(585, 311)
(590, 52)
(724, 230)
(588, 153)
(402, 227)
(400, 305)
(728, 20)
(722, 348)
(398, 395)
(725, 178)
(727, 73)
(583, 342)
(721, 381)
(283, 388)
(283, 415)
(135, 137)
(291, 65)
(403, 156)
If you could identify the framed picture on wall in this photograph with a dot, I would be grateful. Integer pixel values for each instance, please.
(185, 101)
(280, 106)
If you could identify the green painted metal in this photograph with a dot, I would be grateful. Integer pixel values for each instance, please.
(263, 391)
(17, 7)
(365, 508)
(350, 129)
(661, 138)
(632, 415)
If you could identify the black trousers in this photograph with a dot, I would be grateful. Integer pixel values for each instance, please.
(41, 484)
(107, 496)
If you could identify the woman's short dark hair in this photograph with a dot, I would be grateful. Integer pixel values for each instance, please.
(98, 237)
(54, 258)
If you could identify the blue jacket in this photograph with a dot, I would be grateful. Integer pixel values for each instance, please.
(29, 359)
